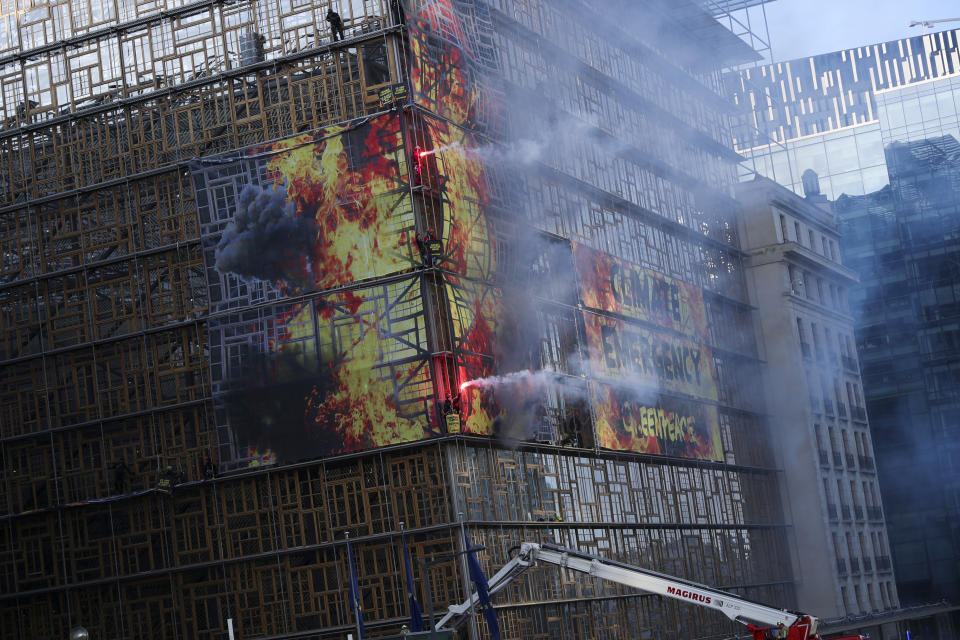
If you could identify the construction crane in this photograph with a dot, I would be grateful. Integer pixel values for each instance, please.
(763, 622)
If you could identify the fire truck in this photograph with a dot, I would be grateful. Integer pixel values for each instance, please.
(762, 621)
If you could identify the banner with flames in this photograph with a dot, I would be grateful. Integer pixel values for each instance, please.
(317, 218)
(327, 218)
(617, 286)
(658, 424)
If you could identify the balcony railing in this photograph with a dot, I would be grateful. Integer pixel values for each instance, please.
(845, 511)
(859, 414)
(883, 563)
(866, 463)
(854, 566)
(849, 363)
(875, 513)
(828, 406)
(805, 349)
(824, 458)
(841, 566)
(858, 512)
(832, 511)
(842, 409)
(851, 461)
(837, 459)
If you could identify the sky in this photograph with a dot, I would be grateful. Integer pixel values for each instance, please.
(800, 28)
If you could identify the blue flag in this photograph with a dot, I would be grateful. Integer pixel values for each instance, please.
(483, 595)
(355, 605)
(416, 619)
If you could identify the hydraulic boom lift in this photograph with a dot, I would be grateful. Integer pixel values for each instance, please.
(770, 621)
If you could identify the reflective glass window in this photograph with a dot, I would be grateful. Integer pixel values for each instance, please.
(842, 154)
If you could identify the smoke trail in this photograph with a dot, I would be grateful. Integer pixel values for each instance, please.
(541, 380)
(266, 240)
(446, 147)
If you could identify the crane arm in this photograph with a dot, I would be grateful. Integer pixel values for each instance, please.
(730, 605)
(513, 569)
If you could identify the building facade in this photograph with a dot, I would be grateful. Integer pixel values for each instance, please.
(464, 269)
(902, 238)
(801, 290)
(890, 169)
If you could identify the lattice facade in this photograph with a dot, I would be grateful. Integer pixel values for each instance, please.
(119, 332)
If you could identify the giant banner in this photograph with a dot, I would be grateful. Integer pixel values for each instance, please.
(644, 369)
(658, 424)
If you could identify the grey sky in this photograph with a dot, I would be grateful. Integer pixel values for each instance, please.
(800, 28)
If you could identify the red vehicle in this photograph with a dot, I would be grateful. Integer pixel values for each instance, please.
(763, 621)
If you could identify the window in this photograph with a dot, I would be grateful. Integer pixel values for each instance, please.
(812, 242)
(798, 283)
(783, 228)
(796, 230)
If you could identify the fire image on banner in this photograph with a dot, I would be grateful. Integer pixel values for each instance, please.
(666, 426)
(347, 366)
(316, 216)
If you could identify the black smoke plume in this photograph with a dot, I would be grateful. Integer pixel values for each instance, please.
(266, 239)
(268, 400)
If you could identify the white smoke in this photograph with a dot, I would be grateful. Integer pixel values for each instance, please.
(541, 380)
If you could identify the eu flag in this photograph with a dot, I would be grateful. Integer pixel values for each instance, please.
(483, 595)
(355, 605)
(416, 620)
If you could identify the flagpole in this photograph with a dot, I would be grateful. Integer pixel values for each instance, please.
(354, 591)
(416, 618)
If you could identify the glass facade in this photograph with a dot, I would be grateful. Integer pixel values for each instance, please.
(903, 242)
(289, 259)
(847, 161)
